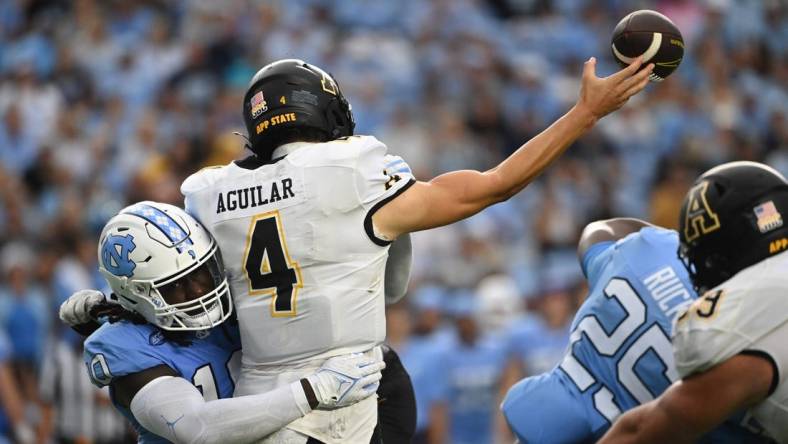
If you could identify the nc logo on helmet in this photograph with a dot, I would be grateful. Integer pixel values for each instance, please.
(115, 255)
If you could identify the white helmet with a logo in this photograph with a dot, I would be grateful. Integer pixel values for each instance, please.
(162, 264)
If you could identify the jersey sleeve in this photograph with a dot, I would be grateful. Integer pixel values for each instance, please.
(595, 259)
(380, 177)
(119, 349)
(707, 334)
(772, 347)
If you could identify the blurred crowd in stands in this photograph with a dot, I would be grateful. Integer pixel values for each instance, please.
(107, 102)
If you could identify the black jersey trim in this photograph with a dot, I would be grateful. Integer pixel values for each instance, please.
(368, 218)
(253, 162)
(768, 357)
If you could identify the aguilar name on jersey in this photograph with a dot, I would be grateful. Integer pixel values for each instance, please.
(210, 361)
(747, 313)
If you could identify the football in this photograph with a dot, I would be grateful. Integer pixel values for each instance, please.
(654, 36)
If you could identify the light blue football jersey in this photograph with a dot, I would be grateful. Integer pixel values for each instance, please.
(210, 361)
(620, 354)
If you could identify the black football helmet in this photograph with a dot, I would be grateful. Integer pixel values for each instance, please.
(290, 100)
(731, 218)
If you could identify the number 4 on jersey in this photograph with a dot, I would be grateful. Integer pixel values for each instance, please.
(268, 266)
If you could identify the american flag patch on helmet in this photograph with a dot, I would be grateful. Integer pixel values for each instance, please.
(768, 218)
(257, 104)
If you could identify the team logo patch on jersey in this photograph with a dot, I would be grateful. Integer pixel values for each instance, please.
(115, 255)
(768, 216)
(258, 104)
(156, 338)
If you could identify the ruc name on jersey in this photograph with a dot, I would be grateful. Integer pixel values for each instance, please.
(668, 291)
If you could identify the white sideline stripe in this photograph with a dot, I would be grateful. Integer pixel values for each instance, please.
(656, 42)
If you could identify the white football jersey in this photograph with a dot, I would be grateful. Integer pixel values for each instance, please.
(305, 268)
(748, 312)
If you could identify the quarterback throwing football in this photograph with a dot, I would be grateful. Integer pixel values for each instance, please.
(306, 222)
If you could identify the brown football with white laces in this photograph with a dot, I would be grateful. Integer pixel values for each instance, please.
(652, 35)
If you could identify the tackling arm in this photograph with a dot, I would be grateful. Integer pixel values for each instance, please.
(697, 404)
(173, 408)
(459, 194)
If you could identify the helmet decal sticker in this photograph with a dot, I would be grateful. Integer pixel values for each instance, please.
(115, 254)
(700, 219)
(328, 84)
(164, 222)
(768, 217)
(304, 96)
(258, 104)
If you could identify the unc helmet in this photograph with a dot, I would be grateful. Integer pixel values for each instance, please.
(162, 264)
(290, 100)
(732, 218)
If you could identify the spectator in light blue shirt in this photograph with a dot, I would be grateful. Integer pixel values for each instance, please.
(24, 311)
(471, 373)
(18, 148)
(420, 339)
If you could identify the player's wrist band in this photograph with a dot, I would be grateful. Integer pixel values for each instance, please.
(311, 398)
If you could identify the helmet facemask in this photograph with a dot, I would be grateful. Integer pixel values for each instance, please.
(706, 271)
(196, 299)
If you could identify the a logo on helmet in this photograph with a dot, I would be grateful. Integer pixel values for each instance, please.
(328, 84)
(115, 254)
(258, 104)
(699, 218)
